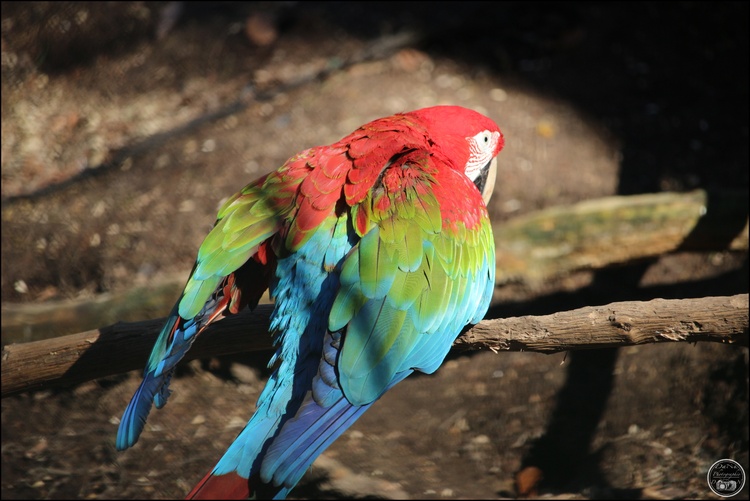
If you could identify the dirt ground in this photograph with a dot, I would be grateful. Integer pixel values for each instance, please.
(124, 126)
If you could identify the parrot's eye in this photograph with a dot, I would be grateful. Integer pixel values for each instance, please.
(481, 147)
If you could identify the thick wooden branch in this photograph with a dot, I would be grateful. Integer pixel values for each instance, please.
(125, 346)
(721, 319)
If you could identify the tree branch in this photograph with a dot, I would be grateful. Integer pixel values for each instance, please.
(125, 346)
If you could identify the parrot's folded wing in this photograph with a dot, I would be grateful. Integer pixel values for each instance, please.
(423, 270)
(224, 279)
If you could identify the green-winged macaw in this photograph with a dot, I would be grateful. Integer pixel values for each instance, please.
(377, 251)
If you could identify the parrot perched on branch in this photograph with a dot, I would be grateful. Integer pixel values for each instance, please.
(377, 251)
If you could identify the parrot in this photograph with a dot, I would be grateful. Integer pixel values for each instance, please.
(377, 252)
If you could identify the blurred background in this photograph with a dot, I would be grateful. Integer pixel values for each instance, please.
(126, 124)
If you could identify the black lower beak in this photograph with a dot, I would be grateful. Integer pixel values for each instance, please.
(481, 179)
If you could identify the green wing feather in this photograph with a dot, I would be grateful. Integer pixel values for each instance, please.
(414, 280)
(244, 222)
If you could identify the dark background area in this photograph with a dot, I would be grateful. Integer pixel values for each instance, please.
(595, 99)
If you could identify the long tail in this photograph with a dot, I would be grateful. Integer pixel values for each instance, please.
(271, 468)
(267, 463)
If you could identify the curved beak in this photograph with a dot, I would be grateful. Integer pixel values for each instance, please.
(485, 181)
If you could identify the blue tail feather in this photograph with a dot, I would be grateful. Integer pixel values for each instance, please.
(303, 438)
(299, 442)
